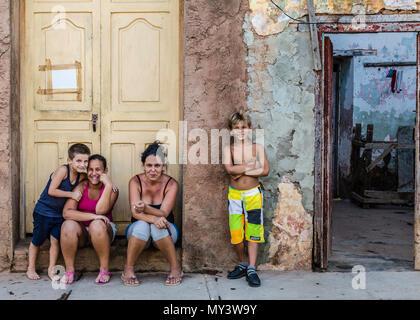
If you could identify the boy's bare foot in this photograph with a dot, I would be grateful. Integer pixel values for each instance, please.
(52, 275)
(32, 275)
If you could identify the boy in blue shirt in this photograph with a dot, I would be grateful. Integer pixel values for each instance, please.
(48, 211)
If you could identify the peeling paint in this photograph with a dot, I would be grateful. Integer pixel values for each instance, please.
(373, 100)
(267, 19)
(281, 100)
(291, 235)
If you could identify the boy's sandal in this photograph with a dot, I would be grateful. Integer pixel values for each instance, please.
(131, 281)
(101, 274)
(67, 276)
(174, 281)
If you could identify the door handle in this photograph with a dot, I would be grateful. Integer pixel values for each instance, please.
(94, 121)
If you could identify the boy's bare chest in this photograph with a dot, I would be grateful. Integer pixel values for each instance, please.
(242, 154)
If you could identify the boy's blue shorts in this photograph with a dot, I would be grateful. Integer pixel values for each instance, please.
(44, 227)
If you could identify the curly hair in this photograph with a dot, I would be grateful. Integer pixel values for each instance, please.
(154, 149)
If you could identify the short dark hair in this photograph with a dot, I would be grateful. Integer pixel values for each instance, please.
(154, 149)
(78, 148)
(98, 157)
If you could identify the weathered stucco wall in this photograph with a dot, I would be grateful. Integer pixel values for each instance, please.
(281, 100)
(267, 19)
(279, 94)
(5, 167)
(214, 87)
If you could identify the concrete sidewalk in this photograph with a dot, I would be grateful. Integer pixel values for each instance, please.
(275, 286)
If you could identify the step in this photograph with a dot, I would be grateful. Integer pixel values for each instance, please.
(151, 259)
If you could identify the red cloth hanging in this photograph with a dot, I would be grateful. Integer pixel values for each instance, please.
(394, 80)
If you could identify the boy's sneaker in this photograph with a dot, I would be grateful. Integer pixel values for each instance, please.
(252, 278)
(237, 273)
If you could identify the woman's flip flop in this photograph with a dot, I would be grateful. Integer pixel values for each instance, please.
(101, 274)
(130, 281)
(67, 276)
(170, 278)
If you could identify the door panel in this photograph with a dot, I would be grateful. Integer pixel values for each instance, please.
(140, 82)
(55, 120)
(63, 41)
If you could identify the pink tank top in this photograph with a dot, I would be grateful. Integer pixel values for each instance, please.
(88, 205)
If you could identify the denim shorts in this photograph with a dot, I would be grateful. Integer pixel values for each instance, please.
(149, 233)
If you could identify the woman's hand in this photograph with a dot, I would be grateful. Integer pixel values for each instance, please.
(161, 223)
(139, 206)
(105, 179)
(103, 218)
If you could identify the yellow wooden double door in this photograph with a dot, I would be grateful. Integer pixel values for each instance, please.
(100, 72)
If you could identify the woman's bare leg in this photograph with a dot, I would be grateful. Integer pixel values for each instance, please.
(134, 249)
(101, 241)
(73, 235)
(167, 247)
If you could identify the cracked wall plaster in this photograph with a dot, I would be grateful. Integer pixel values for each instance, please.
(281, 101)
(267, 19)
(290, 240)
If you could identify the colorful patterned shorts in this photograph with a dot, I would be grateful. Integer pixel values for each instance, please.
(246, 210)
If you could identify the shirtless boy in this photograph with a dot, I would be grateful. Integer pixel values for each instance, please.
(245, 162)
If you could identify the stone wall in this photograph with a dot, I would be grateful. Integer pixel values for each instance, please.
(5, 155)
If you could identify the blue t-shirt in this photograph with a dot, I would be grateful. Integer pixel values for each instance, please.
(50, 206)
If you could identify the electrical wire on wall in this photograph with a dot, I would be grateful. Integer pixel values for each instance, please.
(304, 22)
(336, 22)
(300, 21)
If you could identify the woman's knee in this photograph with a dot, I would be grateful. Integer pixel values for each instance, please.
(140, 230)
(70, 228)
(97, 228)
(158, 234)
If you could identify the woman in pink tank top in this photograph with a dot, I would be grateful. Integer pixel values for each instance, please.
(90, 219)
(89, 206)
